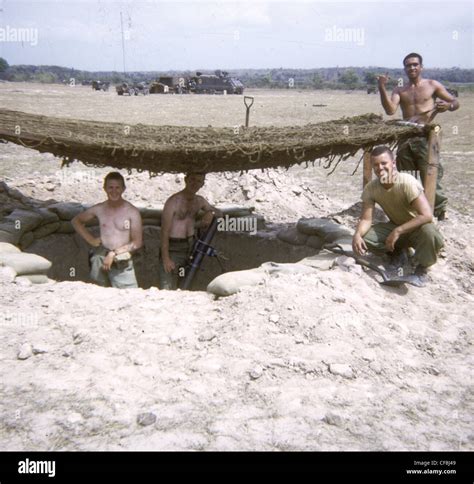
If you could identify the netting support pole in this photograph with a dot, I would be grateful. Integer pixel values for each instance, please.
(367, 169)
(429, 182)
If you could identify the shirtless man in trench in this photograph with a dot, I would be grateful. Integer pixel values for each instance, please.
(178, 227)
(420, 100)
(121, 234)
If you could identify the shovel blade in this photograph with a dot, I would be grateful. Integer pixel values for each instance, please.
(399, 281)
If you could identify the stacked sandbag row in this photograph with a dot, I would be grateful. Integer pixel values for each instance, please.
(316, 233)
(20, 267)
(312, 232)
(232, 282)
(33, 221)
(23, 226)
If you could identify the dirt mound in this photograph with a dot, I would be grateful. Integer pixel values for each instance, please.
(328, 360)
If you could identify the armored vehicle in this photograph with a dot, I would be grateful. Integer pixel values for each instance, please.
(217, 83)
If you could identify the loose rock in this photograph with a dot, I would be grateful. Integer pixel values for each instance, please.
(25, 351)
(145, 419)
(341, 370)
(256, 373)
(207, 336)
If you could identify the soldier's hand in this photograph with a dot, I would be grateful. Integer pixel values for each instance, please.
(169, 265)
(108, 261)
(358, 245)
(442, 106)
(391, 240)
(383, 79)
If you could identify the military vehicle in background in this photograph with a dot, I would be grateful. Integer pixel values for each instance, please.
(217, 83)
(169, 84)
(133, 89)
(100, 86)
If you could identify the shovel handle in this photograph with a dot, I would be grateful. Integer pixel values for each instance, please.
(337, 249)
(248, 106)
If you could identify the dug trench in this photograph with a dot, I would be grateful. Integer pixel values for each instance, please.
(243, 241)
(237, 251)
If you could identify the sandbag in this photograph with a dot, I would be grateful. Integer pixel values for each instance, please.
(315, 242)
(237, 211)
(322, 261)
(8, 237)
(24, 220)
(232, 282)
(151, 213)
(65, 227)
(26, 240)
(17, 224)
(66, 211)
(6, 248)
(286, 268)
(45, 230)
(47, 216)
(7, 274)
(345, 243)
(292, 236)
(33, 278)
(323, 228)
(24, 263)
(151, 221)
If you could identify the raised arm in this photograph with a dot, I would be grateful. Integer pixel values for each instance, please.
(365, 222)
(79, 224)
(390, 105)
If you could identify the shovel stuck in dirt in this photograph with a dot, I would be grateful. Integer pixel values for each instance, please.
(396, 281)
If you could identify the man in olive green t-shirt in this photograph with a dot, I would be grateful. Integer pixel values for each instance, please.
(402, 199)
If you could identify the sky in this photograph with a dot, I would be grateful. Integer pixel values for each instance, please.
(161, 35)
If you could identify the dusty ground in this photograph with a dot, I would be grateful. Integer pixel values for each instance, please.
(331, 361)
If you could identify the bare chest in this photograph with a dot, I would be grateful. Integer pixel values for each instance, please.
(187, 209)
(114, 220)
(417, 95)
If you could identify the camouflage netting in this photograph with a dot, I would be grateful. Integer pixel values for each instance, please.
(176, 149)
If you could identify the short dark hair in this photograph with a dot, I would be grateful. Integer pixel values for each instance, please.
(380, 150)
(413, 54)
(114, 175)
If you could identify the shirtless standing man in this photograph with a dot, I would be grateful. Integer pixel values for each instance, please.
(419, 104)
(178, 227)
(121, 234)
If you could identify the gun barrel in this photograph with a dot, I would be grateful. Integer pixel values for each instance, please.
(197, 255)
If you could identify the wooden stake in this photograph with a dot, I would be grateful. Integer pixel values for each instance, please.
(367, 171)
(429, 182)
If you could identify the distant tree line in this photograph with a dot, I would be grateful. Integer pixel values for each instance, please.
(281, 78)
